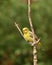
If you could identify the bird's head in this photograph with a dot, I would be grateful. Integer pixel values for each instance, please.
(25, 30)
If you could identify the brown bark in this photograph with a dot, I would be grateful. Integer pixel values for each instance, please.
(34, 37)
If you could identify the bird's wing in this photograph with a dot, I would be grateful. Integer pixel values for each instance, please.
(30, 33)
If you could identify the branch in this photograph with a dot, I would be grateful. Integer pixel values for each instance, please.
(30, 21)
(33, 33)
(34, 36)
(19, 29)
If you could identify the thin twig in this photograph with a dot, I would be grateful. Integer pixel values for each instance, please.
(34, 36)
(30, 21)
(19, 29)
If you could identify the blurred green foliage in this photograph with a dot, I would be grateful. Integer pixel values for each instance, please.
(14, 50)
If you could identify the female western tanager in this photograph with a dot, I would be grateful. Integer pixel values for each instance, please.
(28, 35)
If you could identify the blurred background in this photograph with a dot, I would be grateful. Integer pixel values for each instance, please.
(14, 50)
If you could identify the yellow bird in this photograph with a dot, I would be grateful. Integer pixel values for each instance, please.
(28, 35)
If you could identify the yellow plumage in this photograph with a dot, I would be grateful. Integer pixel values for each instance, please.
(28, 35)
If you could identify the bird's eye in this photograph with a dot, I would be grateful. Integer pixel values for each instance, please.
(25, 29)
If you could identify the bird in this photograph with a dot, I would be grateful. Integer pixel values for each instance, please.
(28, 36)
